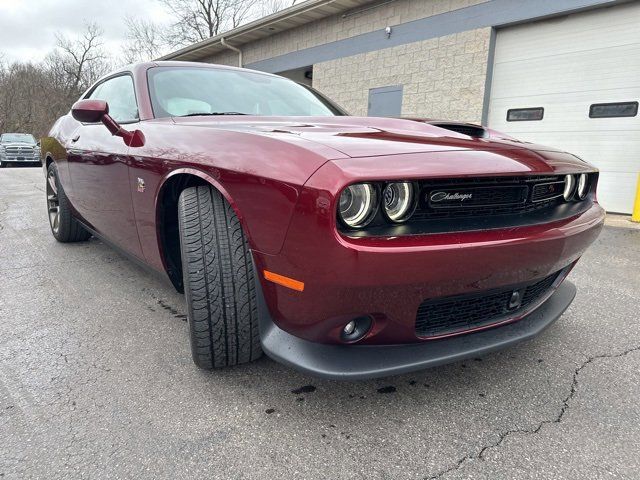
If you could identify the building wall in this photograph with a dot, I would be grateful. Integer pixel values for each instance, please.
(442, 78)
(337, 28)
(226, 58)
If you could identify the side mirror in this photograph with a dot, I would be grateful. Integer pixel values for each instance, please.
(89, 111)
(93, 111)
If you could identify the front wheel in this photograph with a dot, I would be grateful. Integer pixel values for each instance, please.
(219, 282)
(64, 226)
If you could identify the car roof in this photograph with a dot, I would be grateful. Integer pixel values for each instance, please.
(143, 66)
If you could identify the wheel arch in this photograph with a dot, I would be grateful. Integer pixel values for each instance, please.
(167, 216)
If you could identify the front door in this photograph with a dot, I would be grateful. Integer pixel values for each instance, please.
(99, 168)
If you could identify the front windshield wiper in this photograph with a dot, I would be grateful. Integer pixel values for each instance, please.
(212, 113)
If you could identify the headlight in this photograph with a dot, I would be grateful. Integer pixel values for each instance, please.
(583, 186)
(358, 204)
(569, 186)
(398, 199)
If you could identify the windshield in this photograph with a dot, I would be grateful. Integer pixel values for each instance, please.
(177, 91)
(17, 138)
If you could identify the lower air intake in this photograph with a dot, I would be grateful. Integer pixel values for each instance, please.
(462, 313)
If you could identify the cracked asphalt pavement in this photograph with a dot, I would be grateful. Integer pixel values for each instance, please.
(96, 381)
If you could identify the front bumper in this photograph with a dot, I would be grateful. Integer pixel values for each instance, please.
(388, 279)
(356, 362)
(19, 159)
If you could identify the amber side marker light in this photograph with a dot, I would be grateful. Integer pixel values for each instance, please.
(284, 281)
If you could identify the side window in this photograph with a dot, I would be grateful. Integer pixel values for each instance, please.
(119, 94)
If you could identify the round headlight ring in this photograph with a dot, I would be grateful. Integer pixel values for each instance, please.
(583, 186)
(397, 200)
(358, 204)
(569, 187)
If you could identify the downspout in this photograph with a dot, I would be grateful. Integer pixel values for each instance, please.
(223, 42)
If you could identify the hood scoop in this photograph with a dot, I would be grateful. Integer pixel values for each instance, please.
(475, 131)
(291, 128)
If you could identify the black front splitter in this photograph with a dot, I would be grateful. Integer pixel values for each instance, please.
(357, 362)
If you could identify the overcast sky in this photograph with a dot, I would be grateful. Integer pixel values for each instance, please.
(27, 27)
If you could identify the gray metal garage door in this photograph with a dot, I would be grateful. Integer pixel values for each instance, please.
(385, 101)
(566, 66)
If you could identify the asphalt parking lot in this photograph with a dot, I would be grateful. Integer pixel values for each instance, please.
(96, 381)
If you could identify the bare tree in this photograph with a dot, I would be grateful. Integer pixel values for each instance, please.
(33, 95)
(268, 7)
(145, 40)
(82, 59)
(197, 20)
(23, 98)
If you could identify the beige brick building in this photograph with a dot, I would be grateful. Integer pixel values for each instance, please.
(530, 68)
(442, 77)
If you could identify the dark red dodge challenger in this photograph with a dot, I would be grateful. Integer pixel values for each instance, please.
(346, 247)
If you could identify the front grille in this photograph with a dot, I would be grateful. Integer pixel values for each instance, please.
(19, 151)
(486, 197)
(547, 190)
(458, 314)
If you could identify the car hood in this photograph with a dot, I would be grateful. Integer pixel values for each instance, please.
(359, 137)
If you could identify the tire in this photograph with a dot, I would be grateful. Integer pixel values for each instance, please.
(65, 228)
(219, 281)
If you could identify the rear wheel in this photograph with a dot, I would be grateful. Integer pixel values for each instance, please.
(64, 226)
(218, 279)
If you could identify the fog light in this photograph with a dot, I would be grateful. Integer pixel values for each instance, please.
(356, 329)
(349, 328)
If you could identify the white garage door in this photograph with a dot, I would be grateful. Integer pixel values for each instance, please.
(565, 66)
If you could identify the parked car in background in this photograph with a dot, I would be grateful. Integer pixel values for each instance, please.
(347, 247)
(19, 148)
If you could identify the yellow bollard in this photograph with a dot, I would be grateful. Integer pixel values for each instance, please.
(635, 217)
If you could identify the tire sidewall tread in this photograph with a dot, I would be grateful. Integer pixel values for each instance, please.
(218, 280)
(69, 228)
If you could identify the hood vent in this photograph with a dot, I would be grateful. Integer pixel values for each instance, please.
(475, 131)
